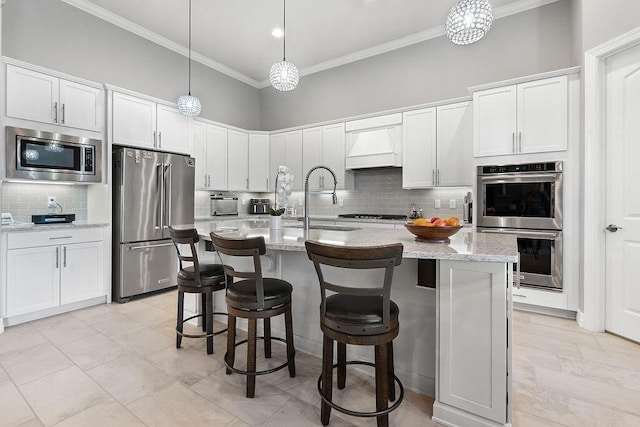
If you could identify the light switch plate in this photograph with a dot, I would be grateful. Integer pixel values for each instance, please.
(452, 203)
(437, 203)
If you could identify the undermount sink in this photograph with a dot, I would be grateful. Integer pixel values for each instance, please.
(325, 227)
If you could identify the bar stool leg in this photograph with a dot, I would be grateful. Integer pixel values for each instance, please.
(267, 337)
(208, 316)
(382, 383)
(288, 326)
(327, 379)
(179, 319)
(251, 357)
(231, 342)
(342, 366)
(391, 372)
(203, 305)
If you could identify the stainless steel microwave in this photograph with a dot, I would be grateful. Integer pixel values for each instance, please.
(33, 154)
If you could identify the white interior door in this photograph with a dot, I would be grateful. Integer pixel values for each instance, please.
(622, 201)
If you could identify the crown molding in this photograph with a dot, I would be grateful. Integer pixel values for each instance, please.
(431, 33)
(141, 31)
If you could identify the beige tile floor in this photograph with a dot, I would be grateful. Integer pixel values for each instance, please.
(117, 365)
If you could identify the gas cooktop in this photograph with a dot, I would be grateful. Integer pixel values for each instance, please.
(372, 216)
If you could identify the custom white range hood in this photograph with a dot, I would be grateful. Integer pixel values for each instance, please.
(374, 142)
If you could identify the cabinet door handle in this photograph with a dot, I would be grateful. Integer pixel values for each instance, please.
(513, 141)
(519, 142)
(247, 183)
(55, 112)
(209, 184)
(205, 179)
(64, 256)
(61, 237)
(433, 176)
(267, 187)
(62, 121)
(57, 257)
(437, 176)
(154, 137)
(159, 139)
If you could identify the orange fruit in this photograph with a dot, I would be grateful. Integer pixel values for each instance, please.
(452, 221)
(419, 221)
(428, 224)
(439, 223)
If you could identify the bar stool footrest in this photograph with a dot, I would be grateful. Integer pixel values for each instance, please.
(263, 372)
(182, 334)
(357, 413)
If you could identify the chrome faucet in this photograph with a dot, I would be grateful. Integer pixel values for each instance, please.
(306, 195)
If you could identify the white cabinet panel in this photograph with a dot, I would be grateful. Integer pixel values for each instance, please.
(81, 275)
(199, 152)
(238, 160)
(419, 148)
(334, 142)
(259, 171)
(172, 130)
(455, 145)
(81, 106)
(134, 121)
(294, 158)
(217, 157)
(494, 121)
(312, 155)
(32, 95)
(277, 152)
(31, 289)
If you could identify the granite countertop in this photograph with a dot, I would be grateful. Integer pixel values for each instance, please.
(296, 218)
(16, 228)
(466, 245)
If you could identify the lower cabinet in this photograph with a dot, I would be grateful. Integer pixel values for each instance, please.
(44, 273)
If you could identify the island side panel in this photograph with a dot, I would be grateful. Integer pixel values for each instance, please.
(472, 344)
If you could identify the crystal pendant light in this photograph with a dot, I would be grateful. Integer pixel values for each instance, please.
(189, 105)
(284, 74)
(468, 21)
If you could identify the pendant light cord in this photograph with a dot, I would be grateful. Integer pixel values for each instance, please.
(284, 30)
(189, 47)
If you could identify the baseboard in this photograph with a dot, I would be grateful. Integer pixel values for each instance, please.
(22, 318)
(453, 417)
(557, 312)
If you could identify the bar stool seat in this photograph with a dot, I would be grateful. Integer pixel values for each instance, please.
(276, 291)
(354, 312)
(204, 279)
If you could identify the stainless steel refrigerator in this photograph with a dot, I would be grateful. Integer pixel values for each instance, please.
(151, 191)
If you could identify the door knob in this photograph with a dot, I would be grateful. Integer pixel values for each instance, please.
(613, 228)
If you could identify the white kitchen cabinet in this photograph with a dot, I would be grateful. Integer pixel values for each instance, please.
(530, 117)
(437, 146)
(210, 152)
(454, 145)
(325, 145)
(286, 150)
(139, 122)
(237, 160)
(69, 269)
(259, 171)
(40, 97)
(419, 148)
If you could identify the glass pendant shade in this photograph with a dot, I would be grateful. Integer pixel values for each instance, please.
(284, 76)
(189, 105)
(468, 21)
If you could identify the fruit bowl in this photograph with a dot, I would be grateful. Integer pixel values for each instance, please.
(432, 234)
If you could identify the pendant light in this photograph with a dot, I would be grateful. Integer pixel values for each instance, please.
(189, 105)
(284, 74)
(468, 21)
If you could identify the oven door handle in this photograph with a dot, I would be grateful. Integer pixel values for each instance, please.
(537, 177)
(525, 234)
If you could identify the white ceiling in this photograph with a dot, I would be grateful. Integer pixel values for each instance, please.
(234, 36)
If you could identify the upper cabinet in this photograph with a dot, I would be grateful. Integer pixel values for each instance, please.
(437, 146)
(210, 152)
(259, 171)
(286, 150)
(325, 145)
(530, 117)
(238, 160)
(142, 123)
(44, 98)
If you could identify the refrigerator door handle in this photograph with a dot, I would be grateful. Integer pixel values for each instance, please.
(168, 194)
(160, 175)
(135, 248)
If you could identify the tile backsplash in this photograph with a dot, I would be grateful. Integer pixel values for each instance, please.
(25, 199)
(376, 191)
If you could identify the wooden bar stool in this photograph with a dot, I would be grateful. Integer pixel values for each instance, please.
(252, 298)
(197, 278)
(358, 316)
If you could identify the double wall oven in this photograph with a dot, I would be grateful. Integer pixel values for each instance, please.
(526, 200)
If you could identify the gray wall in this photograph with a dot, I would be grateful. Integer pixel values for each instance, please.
(53, 34)
(527, 43)
(605, 20)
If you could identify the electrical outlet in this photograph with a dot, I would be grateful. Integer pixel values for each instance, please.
(452, 203)
(51, 202)
(244, 202)
(341, 203)
(437, 204)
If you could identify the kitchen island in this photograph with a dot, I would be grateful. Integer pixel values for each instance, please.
(454, 337)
